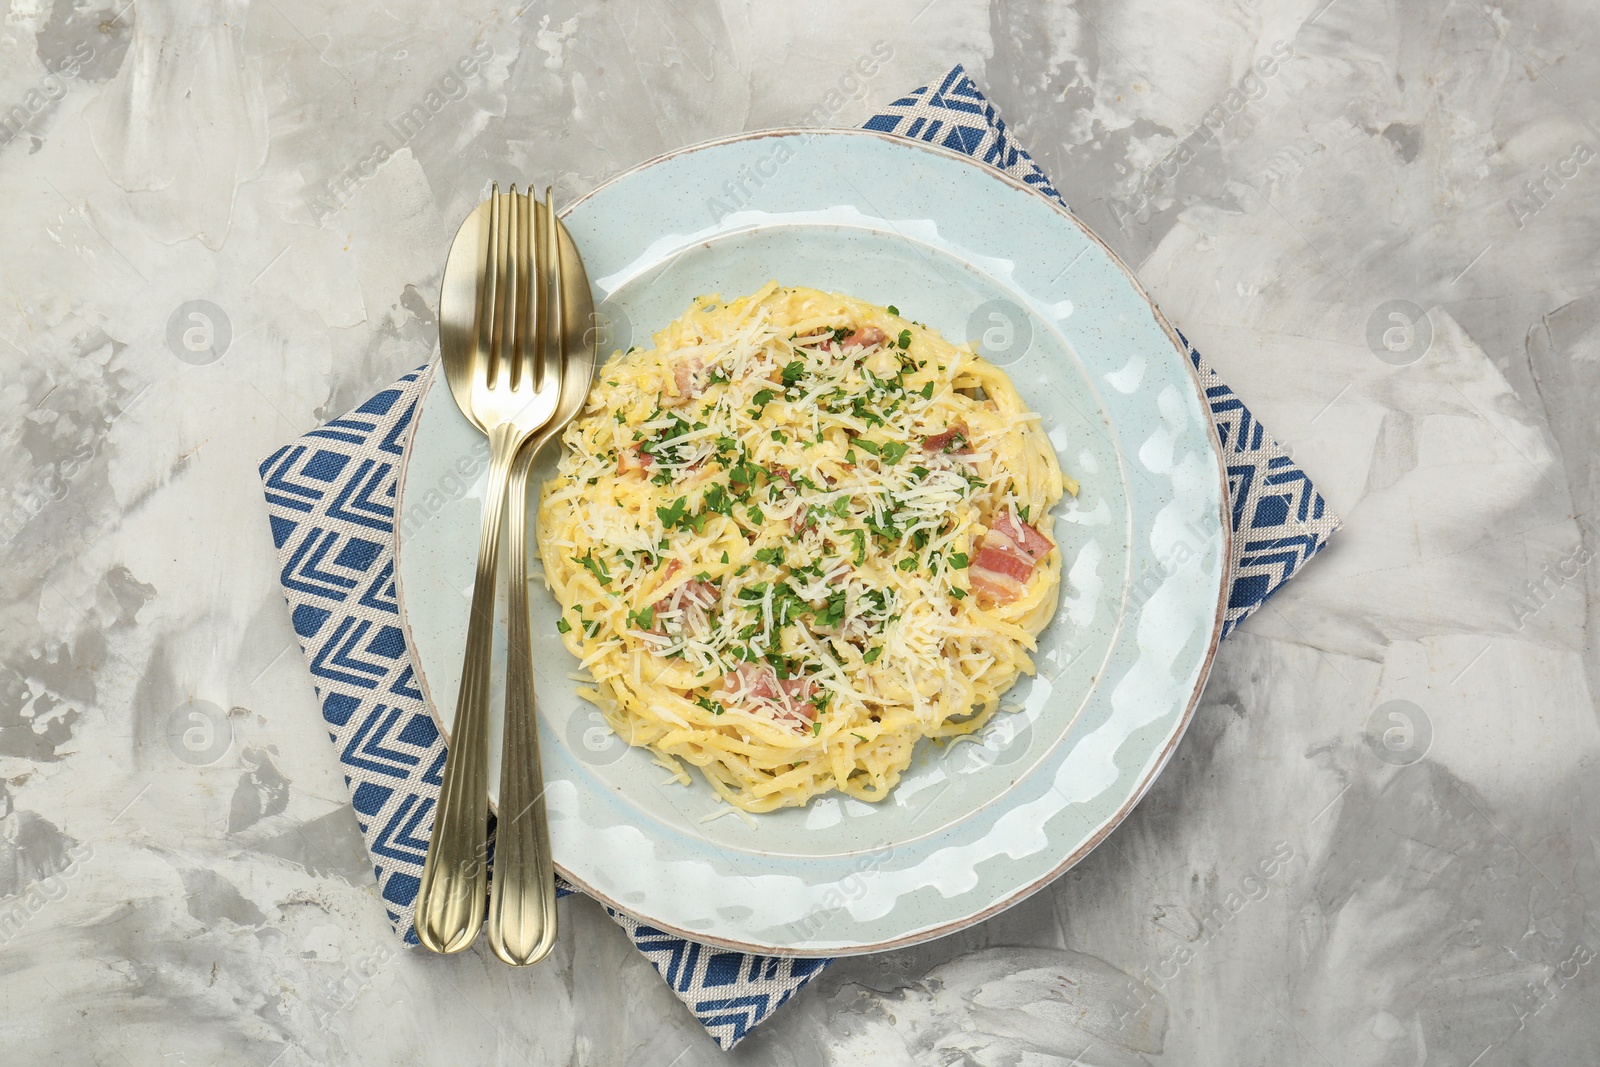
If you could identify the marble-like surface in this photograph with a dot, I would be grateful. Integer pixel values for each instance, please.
(1310, 881)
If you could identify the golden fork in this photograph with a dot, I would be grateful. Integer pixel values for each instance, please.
(522, 893)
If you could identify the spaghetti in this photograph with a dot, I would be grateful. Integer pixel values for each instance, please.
(797, 536)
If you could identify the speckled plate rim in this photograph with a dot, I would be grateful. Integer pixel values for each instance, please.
(1181, 723)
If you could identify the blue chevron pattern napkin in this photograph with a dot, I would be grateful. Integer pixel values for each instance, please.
(331, 503)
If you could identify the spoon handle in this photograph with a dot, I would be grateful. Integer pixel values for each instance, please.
(522, 893)
(451, 899)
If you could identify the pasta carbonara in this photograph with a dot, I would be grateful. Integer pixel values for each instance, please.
(797, 536)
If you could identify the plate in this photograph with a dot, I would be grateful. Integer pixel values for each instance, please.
(973, 826)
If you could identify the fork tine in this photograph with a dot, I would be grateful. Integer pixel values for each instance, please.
(516, 295)
(524, 345)
(541, 309)
(483, 310)
(502, 289)
(554, 356)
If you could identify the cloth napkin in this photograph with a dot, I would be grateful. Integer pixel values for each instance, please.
(331, 503)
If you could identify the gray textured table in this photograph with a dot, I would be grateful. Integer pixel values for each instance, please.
(1432, 874)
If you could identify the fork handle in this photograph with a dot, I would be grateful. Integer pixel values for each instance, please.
(522, 892)
(451, 899)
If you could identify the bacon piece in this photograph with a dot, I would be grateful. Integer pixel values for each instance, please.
(940, 442)
(993, 588)
(788, 698)
(1026, 537)
(631, 459)
(865, 337)
(759, 678)
(998, 554)
(693, 598)
(799, 691)
(1005, 558)
(686, 375)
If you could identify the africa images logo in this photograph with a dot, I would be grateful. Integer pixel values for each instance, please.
(446, 90)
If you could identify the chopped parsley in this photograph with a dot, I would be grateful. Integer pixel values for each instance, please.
(833, 611)
(673, 516)
(717, 499)
(596, 567)
(894, 451)
(762, 398)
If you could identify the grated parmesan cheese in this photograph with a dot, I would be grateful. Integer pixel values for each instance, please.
(767, 464)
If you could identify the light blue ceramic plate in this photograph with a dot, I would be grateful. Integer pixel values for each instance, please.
(975, 826)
